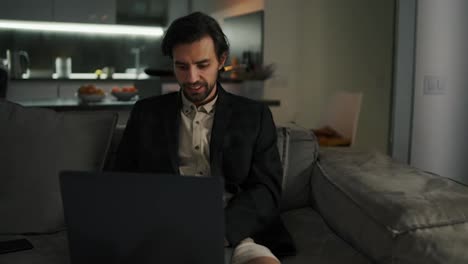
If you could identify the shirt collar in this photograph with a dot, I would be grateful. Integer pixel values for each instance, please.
(188, 107)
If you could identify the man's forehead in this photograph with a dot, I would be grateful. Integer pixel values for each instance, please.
(203, 45)
(200, 52)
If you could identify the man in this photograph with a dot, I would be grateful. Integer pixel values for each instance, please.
(205, 131)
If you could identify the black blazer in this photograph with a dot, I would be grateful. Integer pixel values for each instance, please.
(243, 151)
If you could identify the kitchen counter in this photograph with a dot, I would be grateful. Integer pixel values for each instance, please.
(60, 94)
(166, 79)
(107, 104)
(76, 104)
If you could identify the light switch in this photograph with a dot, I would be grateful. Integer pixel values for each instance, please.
(434, 85)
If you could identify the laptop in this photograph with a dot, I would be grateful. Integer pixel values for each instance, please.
(143, 218)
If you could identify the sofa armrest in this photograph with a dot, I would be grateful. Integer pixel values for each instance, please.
(391, 212)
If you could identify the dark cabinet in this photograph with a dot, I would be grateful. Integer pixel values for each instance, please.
(79, 11)
(125, 12)
(85, 11)
(38, 10)
(142, 12)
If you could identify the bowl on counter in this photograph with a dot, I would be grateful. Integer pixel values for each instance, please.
(125, 93)
(89, 93)
(124, 96)
(91, 98)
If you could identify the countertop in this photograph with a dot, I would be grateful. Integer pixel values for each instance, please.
(162, 79)
(75, 104)
(107, 103)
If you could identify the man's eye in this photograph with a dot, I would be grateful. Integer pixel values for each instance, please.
(202, 66)
(181, 67)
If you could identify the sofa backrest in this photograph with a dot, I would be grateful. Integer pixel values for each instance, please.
(298, 149)
(36, 144)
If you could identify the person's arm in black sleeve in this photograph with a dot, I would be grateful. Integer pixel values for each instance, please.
(127, 151)
(257, 205)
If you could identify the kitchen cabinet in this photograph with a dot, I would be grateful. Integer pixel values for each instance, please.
(38, 10)
(151, 12)
(143, 12)
(80, 11)
(85, 11)
(126, 12)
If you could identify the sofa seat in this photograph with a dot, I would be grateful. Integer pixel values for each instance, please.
(48, 248)
(315, 242)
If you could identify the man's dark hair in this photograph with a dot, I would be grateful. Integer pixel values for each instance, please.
(193, 27)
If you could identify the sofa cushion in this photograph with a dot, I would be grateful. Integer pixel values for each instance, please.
(47, 249)
(36, 145)
(392, 212)
(315, 242)
(300, 155)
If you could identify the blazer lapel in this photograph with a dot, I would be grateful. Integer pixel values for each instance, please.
(221, 120)
(171, 126)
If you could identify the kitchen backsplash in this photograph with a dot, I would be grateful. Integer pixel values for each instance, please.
(88, 52)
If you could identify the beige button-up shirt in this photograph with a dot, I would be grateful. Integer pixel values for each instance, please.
(194, 160)
(194, 137)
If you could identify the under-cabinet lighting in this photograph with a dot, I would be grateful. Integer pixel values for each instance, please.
(102, 29)
(116, 76)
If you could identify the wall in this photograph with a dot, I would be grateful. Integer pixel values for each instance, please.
(281, 48)
(320, 47)
(347, 45)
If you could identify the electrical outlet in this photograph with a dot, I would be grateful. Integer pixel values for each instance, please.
(434, 85)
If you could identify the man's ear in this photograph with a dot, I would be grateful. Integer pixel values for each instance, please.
(222, 60)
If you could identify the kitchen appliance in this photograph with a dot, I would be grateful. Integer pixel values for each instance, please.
(17, 63)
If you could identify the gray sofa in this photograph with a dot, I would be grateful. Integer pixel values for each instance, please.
(340, 205)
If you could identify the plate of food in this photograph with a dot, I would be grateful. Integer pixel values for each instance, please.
(124, 93)
(91, 94)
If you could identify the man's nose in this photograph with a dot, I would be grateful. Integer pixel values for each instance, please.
(192, 75)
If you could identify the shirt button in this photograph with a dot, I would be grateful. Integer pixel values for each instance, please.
(197, 122)
(197, 147)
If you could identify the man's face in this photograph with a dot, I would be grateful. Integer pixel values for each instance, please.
(196, 69)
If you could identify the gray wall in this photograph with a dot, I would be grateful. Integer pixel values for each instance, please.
(339, 45)
(320, 47)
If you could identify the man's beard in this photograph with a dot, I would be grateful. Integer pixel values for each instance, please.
(197, 97)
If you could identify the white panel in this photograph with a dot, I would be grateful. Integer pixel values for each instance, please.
(440, 118)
